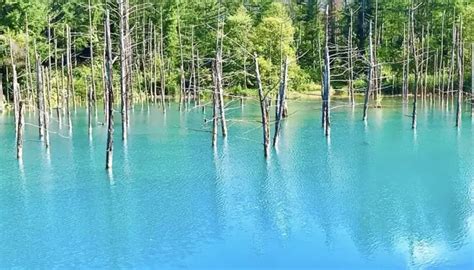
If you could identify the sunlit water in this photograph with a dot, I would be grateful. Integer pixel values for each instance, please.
(377, 196)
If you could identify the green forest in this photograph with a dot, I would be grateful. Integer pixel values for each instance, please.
(172, 42)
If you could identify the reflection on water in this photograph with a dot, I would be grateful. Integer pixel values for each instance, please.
(376, 195)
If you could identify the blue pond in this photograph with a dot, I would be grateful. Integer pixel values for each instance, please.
(375, 196)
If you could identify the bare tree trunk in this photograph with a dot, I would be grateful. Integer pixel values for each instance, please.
(162, 66)
(326, 89)
(198, 78)
(39, 96)
(123, 4)
(350, 63)
(48, 77)
(417, 65)
(220, 87)
(264, 111)
(16, 90)
(220, 92)
(460, 53)
(110, 94)
(70, 90)
(91, 47)
(452, 65)
(29, 76)
(46, 110)
(281, 98)
(215, 107)
(181, 68)
(472, 78)
(90, 98)
(441, 61)
(154, 68)
(1, 93)
(371, 75)
(407, 66)
(20, 130)
(58, 91)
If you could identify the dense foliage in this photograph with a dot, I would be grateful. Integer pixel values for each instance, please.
(271, 29)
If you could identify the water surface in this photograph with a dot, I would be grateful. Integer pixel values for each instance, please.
(377, 196)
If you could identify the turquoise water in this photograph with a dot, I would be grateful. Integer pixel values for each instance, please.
(376, 196)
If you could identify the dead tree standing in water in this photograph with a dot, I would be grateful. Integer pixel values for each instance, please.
(417, 64)
(91, 46)
(70, 90)
(110, 94)
(162, 66)
(472, 78)
(39, 97)
(264, 111)
(350, 63)
(370, 79)
(20, 130)
(215, 106)
(460, 58)
(16, 87)
(123, 10)
(326, 121)
(1, 93)
(281, 100)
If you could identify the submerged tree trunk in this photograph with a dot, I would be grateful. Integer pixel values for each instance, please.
(350, 63)
(460, 58)
(417, 65)
(91, 46)
(39, 97)
(281, 100)
(472, 78)
(16, 90)
(370, 79)
(162, 66)
(123, 68)
(20, 130)
(264, 111)
(58, 89)
(70, 90)
(110, 94)
(1, 93)
(215, 106)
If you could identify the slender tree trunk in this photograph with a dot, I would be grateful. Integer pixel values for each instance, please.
(90, 105)
(70, 90)
(417, 65)
(123, 67)
(472, 78)
(48, 78)
(39, 97)
(281, 98)
(91, 47)
(441, 60)
(460, 56)
(220, 92)
(110, 94)
(29, 76)
(264, 111)
(369, 88)
(215, 106)
(58, 89)
(349, 60)
(16, 90)
(407, 67)
(162, 66)
(20, 130)
(46, 110)
(1, 93)
(181, 68)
